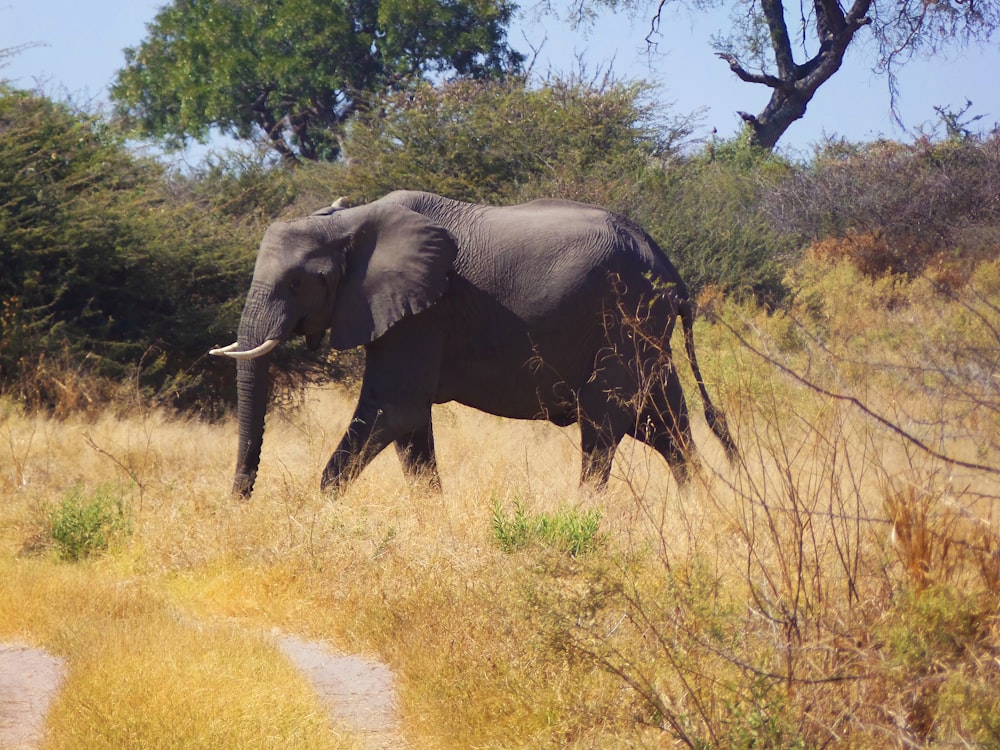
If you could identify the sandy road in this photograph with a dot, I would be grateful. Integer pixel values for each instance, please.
(29, 680)
(357, 692)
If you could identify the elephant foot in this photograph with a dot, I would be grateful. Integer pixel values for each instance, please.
(243, 485)
(426, 481)
(333, 484)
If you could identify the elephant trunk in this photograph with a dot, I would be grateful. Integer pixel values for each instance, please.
(259, 330)
(252, 393)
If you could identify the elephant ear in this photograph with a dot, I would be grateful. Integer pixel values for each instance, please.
(396, 264)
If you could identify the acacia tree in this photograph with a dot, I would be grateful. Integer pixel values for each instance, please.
(107, 269)
(293, 71)
(505, 141)
(794, 50)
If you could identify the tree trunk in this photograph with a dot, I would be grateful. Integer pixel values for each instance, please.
(781, 111)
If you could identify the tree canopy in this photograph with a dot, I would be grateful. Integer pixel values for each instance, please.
(293, 71)
(795, 49)
(505, 141)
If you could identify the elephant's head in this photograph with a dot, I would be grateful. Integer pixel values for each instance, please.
(354, 272)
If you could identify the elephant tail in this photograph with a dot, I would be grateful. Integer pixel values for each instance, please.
(715, 418)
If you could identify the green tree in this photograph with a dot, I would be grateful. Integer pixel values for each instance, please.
(503, 141)
(793, 50)
(294, 71)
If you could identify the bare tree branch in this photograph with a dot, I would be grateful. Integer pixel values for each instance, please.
(887, 423)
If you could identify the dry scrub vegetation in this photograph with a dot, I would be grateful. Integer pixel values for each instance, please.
(839, 587)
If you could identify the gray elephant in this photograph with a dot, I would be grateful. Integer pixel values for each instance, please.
(548, 310)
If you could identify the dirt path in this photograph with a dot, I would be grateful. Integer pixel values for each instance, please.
(29, 679)
(358, 692)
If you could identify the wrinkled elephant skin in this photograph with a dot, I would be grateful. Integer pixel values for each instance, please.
(548, 310)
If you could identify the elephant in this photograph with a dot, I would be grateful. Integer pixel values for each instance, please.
(551, 310)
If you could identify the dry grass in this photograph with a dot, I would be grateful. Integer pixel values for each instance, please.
(839, 587)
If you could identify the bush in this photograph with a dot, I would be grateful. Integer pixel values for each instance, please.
(706, 213)
(504, 141)
(82, 526)
(939, 646)
(105, 264)
(895, 208)
(567, 530)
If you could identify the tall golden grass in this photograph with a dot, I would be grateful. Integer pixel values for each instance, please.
(837, 587)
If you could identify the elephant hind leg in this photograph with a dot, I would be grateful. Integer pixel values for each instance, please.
(602, 427)
(416, 454)
(599, 444)
(665, 426)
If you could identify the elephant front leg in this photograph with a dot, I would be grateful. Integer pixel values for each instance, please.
(401, 375)
(370, 431)
(365, 438)
(416, 454)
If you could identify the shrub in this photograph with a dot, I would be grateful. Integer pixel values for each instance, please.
(505, 141)
(105, 262)
(567, 530)
(939, 645)
(83, 525)
(706, 213)
(898, 208)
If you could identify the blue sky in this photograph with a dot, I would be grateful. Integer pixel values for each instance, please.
(81, 43)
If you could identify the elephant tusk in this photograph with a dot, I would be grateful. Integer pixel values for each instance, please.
(260, 351)
(224, 350)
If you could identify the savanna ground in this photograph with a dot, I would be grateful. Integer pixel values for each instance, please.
(839, 586)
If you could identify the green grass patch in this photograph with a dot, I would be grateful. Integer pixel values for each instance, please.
(567, 530)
